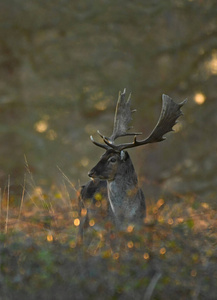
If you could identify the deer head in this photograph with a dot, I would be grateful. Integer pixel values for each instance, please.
(110, 164)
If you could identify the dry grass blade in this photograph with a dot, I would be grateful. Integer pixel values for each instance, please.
(28, 169)
(151, 286)
(67, 179)
(22, 198)
(0, 202)
(32, 183)
(8, 200)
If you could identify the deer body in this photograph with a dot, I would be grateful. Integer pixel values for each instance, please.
(126, 199)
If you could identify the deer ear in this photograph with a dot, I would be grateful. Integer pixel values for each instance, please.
(123, 155)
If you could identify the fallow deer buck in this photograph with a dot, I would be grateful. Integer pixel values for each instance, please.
(115, 170)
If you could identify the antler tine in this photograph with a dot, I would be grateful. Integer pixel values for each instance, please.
(168, 118)
(109, 142)
(104, 146)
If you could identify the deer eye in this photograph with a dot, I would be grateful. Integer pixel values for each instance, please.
(112, 159)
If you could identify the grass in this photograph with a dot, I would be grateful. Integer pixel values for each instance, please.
(41, 255)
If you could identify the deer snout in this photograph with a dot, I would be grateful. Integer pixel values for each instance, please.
(91, 173)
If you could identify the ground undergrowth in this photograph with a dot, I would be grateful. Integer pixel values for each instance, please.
(172, 256)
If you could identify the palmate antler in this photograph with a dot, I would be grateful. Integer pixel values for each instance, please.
(123, 116)
(170, 112)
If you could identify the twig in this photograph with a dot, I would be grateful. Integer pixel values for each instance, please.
(150, 289)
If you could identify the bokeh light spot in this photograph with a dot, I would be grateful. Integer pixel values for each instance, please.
(49, 238)
(83, 212)
(199, 98)
(76, 222)
(98, 196)
(130, 228)
(41, 126)
(130, 244)
(211, 65)
(160, 202)
(84, 162)
(162, 251)
(92, 222)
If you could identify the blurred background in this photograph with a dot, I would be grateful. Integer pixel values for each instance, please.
(62, 64)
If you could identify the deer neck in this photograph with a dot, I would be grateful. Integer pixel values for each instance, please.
(122, 190)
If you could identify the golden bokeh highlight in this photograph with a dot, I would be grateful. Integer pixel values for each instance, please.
(160, 219)
(83, 212)
(211, 65)
(205, 205)
(146, 256)
(162, 251)
(41, 126)
(49, 238)
(177, 127)
(101, 105)
(130, 244)
(199, 98)
(92, 222)
(84, 162)
(76, 222)
(180, 220)
(160, 202)
(98, 196)
(130, 228)
(38, 191)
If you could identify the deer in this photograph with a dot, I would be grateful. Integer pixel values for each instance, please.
(115, 172)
